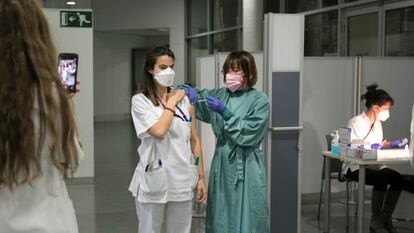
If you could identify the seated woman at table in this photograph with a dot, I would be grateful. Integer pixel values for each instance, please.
(367, 128)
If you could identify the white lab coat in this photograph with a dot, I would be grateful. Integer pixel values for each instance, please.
(44, 205)
(177, 178)
(360, 126)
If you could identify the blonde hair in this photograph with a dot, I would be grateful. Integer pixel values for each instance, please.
(28, 72)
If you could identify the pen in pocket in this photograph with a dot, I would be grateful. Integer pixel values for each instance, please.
(150, 166)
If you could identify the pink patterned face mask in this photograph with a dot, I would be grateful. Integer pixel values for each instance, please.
(234, 80)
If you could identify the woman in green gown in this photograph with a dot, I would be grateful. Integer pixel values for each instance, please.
(239, 115)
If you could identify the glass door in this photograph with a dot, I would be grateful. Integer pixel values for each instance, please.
(362, 32)
(399, 29)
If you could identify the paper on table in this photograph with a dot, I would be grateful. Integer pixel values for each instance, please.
(393, 153)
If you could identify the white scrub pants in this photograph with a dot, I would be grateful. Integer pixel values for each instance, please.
(171, 217)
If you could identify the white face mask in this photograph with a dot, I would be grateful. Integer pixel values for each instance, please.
(165, 77)
(383, 115)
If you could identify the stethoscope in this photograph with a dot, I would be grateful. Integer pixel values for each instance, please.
(370, 129)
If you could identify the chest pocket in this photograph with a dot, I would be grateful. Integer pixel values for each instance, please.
(180, 128)
(181, 124)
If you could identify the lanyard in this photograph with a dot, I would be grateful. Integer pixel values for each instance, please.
(183, 117)
(370, 129)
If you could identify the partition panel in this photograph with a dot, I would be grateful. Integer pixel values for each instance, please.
(206, 78)
(327, 105)
(394, 75)
(283, 62)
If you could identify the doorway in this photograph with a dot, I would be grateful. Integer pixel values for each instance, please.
(362, 32)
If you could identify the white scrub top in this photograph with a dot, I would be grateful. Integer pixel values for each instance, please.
(176, 179)
(360, 126)
(44, 205)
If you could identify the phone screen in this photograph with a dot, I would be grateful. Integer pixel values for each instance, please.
(68, 69)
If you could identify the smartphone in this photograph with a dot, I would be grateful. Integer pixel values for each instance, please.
(68, 70)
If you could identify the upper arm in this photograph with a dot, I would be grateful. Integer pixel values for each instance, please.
(357, 129)
(194, 135)
(143, 116)
(352, 126)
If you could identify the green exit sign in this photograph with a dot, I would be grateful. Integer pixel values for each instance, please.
(78, 19)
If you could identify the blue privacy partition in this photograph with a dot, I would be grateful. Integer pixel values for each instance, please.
(283, 61)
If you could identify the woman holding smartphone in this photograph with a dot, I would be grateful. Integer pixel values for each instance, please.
(38, 134)
(171, 164)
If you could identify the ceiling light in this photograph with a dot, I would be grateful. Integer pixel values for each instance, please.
(71, 3)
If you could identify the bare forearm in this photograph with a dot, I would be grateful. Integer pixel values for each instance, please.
(196, 144)
(160, 129)
(201, 168)
(196, 148)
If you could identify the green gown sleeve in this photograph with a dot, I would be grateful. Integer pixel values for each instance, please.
(203, 113)
(249, 130)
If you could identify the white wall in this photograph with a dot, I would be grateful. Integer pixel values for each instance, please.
(140, 14)
(113, 72)
(80, 41)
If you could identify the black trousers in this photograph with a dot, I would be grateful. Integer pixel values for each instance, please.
(380, 179)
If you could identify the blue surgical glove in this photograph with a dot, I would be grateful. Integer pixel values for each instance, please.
(376, 146)
(192, 95)
(215, 104)
(398, 143)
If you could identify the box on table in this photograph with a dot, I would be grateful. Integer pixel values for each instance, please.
(343, 147)
(344, 134)
(385, 154)
(352, 152)
(364, 154)
(368, 154)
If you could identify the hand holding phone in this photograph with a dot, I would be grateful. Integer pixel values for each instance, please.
(77, 89)
(68, 70)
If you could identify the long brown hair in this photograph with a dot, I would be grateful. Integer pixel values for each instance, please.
(29, 78)
(147, 84)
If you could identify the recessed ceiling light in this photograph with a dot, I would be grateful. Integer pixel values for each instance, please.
(71, 3)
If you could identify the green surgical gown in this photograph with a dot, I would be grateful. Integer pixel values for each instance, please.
(237, 197)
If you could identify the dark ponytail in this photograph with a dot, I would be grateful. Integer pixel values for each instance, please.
(375, 96)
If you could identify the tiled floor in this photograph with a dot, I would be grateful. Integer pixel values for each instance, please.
(112, 208)
(107, 206)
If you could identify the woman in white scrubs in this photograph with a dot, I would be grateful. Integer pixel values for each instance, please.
(170, 165)
(367, 129)
(38, 146)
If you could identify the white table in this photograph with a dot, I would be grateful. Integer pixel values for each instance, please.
(327, 155)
